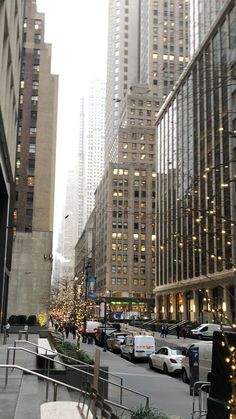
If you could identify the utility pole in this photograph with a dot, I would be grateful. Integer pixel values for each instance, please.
(87, 266)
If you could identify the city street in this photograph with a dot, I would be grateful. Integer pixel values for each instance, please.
(169, 394)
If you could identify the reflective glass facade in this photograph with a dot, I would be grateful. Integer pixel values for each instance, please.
(196, 181)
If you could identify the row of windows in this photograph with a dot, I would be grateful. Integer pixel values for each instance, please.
(141, 122)
(119, 281)
(29, 180)
(138, 136)
(144, 103)
(171, 57)
(136, 247)
(34, 100)
(35, 85)
(32, 148)
(37, 23)
(28, 213)
(31, 164)
(134, 146)
(29, 196)
(135, 157)
(32, 131)
(137, 183)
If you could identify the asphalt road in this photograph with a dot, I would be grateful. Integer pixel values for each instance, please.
(166, 393)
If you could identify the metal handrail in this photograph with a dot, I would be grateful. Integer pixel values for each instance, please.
(14, 348)
(56, 383)
(200, 385)
(65, 356)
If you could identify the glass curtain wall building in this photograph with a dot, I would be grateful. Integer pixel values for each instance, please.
(196, 157)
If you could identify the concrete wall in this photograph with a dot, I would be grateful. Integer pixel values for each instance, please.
(31, 273)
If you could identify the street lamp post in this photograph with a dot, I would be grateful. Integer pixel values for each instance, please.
(87, 266)
(105, 328)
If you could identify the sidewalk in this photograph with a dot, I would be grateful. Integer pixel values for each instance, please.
(168, 394)
(9, 395)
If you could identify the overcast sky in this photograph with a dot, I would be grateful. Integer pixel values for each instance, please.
(77, 30)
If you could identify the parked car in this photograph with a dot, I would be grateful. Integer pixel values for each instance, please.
(115, 340)
(115, 326)
(169, 360)
(102, 334)
(138, 346)
(205, 359)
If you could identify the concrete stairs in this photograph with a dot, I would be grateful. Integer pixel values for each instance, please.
(32, 394)
(28, 403)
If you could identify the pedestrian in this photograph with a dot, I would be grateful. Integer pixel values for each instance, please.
(56, 326)
(73, 330)
(184, 332)
(165, 331)
(162, 331)
(67, 330)
(7, 326)
(177, 331)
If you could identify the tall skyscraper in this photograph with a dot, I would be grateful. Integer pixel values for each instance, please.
(122, 64)
(202, 15)
(164, 41)
(90, 148)
(125, 199)
(196, 253)
(35, 172)
(80, 167)
(11, 25)
(147, 44)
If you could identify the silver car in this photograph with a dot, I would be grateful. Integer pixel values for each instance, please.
(114, 341)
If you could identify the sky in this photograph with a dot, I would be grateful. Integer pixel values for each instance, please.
(77, 30)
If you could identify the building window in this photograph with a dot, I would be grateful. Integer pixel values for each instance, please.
(17, 180)
(18, 147)
(35, 68)
(17, 163)
(28, 229)
(35, 84)
(37, 23)
(31, 164)
(30, 196)
(30, 181)
(33, 131)
(37, 38)
(34, 115)
(34, 100)
(28, 212)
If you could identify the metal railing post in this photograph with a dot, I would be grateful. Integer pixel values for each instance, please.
(7, 362)
(47, 390)
(54, 392)
(4, 336)
(147, 402)
(14, 354)
(121, 390)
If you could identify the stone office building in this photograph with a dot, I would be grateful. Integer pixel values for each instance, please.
(11, 24)
(35, 172)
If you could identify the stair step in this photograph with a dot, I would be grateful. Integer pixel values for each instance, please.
(28, 403)
(62, 392)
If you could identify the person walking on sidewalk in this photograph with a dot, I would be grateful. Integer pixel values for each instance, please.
(7, 328)
(178, 331)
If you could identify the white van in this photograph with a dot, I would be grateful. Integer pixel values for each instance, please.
(205, 331)
(91, 327)
(138, 346)
(205, 359)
